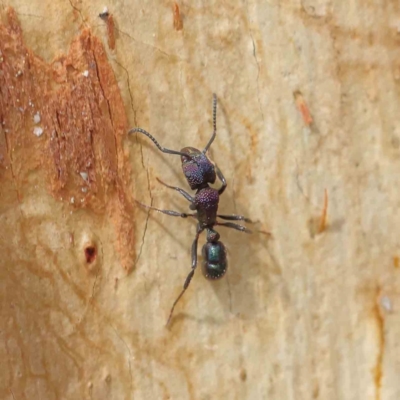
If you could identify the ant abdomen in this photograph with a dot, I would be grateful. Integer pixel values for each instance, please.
(214, 263)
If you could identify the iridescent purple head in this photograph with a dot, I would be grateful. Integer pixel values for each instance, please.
(198, 169)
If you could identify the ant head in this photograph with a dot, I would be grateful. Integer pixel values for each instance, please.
(191, 152)
(197, 167)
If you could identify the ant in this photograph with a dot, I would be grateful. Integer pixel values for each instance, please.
(200, 171)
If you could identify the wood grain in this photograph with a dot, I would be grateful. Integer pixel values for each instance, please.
(86, 285)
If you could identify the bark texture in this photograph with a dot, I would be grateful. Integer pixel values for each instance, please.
(309, 141)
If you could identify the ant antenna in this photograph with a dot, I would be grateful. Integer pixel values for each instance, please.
(163, 149)
(214, 124)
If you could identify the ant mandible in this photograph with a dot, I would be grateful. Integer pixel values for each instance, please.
(200, 172)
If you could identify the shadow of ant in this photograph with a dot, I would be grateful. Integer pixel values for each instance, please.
(251, 260)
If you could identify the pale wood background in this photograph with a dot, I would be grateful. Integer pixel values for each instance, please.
(301, 316)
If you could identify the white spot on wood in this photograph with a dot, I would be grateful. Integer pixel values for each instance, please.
(386, 303)
(36, 118)
(84, 176)
(85, 73)
(38, 131)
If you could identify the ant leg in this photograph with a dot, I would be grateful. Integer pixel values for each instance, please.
(234, 217)
(191, 273)
(168, 212)
(186, 195)
(222, 179)
(234, 226)
(237, 226)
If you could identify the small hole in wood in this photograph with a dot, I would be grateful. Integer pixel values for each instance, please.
(90, 254)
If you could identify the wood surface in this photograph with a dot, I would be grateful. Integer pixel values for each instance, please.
(309, 142)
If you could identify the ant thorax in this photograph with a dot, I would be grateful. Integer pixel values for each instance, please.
(206, 201)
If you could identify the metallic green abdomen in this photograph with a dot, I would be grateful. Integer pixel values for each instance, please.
(214, 263)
